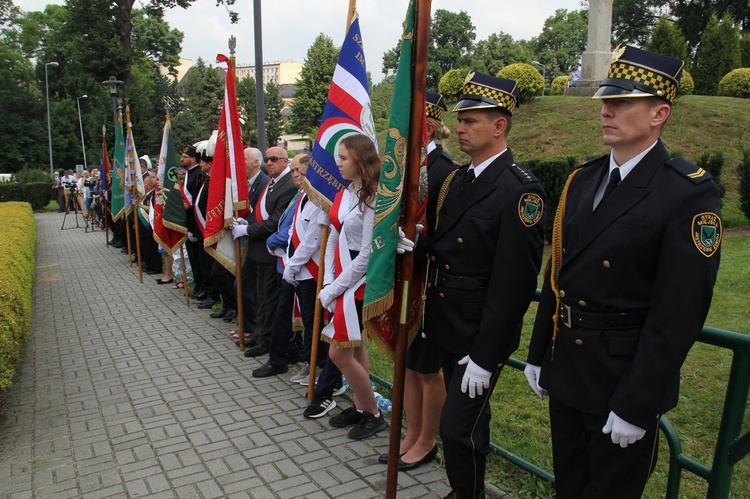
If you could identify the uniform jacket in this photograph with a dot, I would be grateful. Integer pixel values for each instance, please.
(635, 253)
(439, 165)
(193, 184)
(277, 200)
(493, 230)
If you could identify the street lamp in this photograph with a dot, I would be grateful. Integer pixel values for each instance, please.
(544, 73)
(113, 82)
(80, 124)
(49, 121)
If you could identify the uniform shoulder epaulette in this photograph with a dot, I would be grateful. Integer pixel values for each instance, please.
(524, 175)
(693, 172)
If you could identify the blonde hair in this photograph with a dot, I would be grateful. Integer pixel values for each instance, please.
(441, 131)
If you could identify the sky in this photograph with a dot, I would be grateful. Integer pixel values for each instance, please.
(291, 26)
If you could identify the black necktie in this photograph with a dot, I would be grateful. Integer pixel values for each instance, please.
(614, 181)
(468, 178)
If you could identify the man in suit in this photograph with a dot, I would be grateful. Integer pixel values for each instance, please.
(193, 181)
(258, 226)
(484, 258)
(634, 261)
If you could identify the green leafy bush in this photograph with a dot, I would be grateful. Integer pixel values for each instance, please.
(714, 164)
(687, 84)
(552, 174)
(744, 173)
(18, 239)
(530, 81)
(27, 175)
(558, 85)
(452, 83)
(11, 191)
(736, 84)
(37, 194)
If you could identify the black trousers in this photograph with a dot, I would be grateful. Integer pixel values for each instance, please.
(223, 283)
(329, 379)
(249, 291)
(588, 465)
(267, 296)
(465, 430)
(194, 255)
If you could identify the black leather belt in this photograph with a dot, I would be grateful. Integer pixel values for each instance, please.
(440, 278)
(623, 320)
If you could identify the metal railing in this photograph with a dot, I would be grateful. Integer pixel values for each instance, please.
(731, 444)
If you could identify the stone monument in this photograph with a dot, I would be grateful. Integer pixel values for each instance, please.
(595, 60)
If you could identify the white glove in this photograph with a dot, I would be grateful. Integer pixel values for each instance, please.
(404, 244)
(239, 221)
(289, 276)
(191, 237)
(476, 379)
(239, 229)
(280, 252)
(532, 376)
(327, 299)
(622, 432)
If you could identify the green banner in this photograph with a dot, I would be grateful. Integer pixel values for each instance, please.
(117, 200)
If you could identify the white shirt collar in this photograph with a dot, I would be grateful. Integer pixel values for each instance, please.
(431, 146)
(478, 169)
(628, 166)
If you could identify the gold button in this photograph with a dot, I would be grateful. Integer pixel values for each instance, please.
(442, 295)
(460, 240)
(582, 303)
(562, 294)
(429, 284)
(447, 267)
(579, 342)
(432, 258)
(606, 264)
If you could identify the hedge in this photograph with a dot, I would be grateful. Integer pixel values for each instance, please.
(552, 174)
(37, 194)
(557, 87)
(530, 81)
(18, 239)
(736, 84)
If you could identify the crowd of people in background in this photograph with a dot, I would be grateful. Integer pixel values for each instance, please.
(633, 216)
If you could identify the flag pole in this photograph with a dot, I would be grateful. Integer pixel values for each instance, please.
(127, 233)
(321, 268)
(411, 191)
(133, 204)
(137, 235)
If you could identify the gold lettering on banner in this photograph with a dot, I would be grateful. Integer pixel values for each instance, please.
(378, 243)
(326, 175)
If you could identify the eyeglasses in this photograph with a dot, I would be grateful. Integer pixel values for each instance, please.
(271, 159)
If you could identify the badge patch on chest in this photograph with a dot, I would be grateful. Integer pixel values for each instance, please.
(530, 209)
(707, 233)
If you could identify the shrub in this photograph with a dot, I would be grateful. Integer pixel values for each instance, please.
(736, 83)
(744, 173)
(27, 175)
(37, 194)
(530, 81)
(18, 239)
(687, 84)
(557, 87)
(552, 174)
(718, 54)
(452, 83)
(714, 165)
(11, 191)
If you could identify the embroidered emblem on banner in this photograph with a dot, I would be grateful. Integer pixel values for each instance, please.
(707, 233)
(530, 209)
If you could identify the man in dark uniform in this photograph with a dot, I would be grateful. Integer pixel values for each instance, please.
(632, 271)
(484, 258)
(193, 181)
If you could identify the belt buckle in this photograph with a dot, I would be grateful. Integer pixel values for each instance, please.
(565, 315)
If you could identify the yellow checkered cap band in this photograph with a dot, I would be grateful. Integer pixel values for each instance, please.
(434, 111)
(660, 84)
(502, 99)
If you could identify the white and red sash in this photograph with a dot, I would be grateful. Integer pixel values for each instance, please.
(200, 217)
(345, 329)
(261, 213)
(310, 269)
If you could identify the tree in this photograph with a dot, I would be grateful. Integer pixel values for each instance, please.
(153, 38)
(451, 42)
(185, 130)
(246, 105)
(718, 54)
(204, 91)
(313, 84)
(693, 16)
(745, 50)
(634, 20)
(562, 41)
(496, 52)
(380, 102)
(390, 59)
(274, 123)
(668, 40)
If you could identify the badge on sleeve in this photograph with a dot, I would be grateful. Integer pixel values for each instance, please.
(707, 233)
(530, 209)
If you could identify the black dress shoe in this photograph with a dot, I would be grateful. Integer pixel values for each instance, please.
(218, 315)
(383, 458)
(230, 315)
(206, 304)
(200, 295)
(267, 370)
(402, 466)
(256, 351)
(250, 341)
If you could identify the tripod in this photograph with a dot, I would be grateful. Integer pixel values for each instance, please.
(73, 204)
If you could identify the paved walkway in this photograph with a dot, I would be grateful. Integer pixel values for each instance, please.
(126, 391)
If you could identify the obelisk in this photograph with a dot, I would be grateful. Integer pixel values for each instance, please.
(595, 60)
